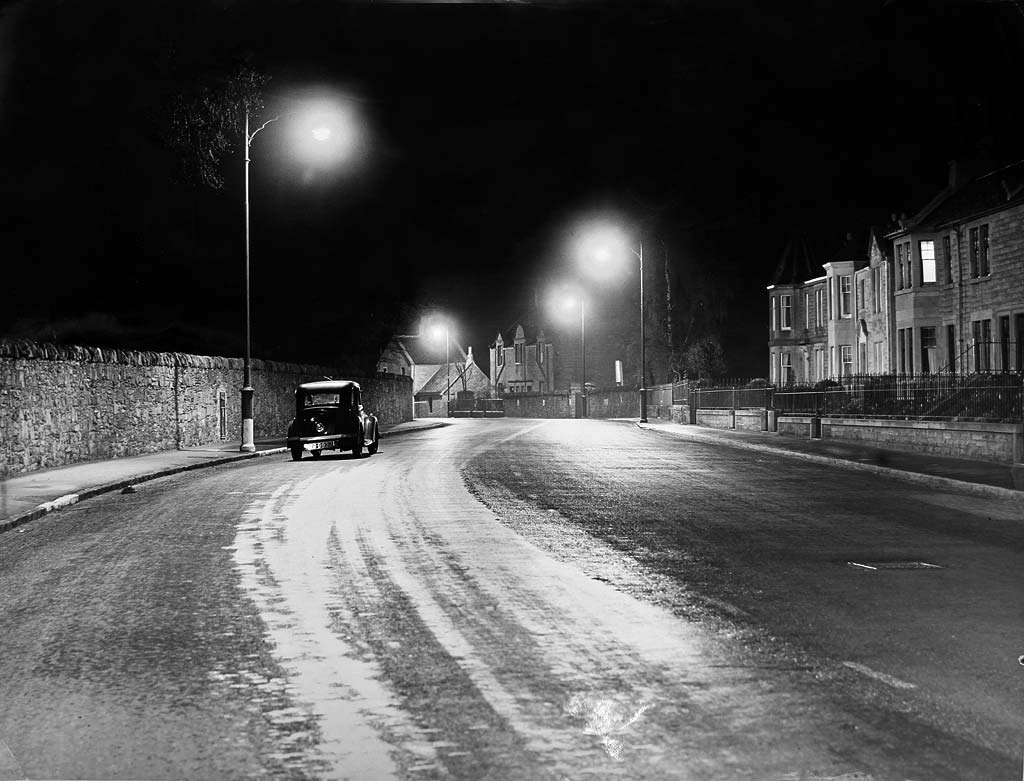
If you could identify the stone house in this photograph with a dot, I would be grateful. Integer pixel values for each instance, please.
(959, 277)
(524, 362)
(942, 291)
(447, 382)
(418, 356)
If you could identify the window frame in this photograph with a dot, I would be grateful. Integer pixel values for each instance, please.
(927, 261)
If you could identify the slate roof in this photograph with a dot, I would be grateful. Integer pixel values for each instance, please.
(982, 194)
(796, 265)
(476, 380)
(425, 350)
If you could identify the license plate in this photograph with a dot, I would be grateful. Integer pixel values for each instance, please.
(318, 445)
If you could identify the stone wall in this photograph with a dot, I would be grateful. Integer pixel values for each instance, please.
(998, 442)
(614, 403)
(538, 405)
(62, 404)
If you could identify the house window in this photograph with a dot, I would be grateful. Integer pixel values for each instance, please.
(519, 352)
(845, 293)
(860, 294)
(819, 364)
(773, 328)
(786, 311)
(983, 268)
(928, 347)
(807, 310)
(831, 360)
(899, 267)
(927, 261)
(786, 375)
(540, 353)
(908, 276)
(501, 355)
(947, 251)
(846, 353)
(819, 308)
(875, 291)
(974, 252)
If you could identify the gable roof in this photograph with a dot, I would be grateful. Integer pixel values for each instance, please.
(437, 385)
(423, 350)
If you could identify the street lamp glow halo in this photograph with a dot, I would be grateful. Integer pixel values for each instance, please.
(602, 248)
(326, 132)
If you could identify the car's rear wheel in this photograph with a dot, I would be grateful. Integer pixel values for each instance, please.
(296, 452)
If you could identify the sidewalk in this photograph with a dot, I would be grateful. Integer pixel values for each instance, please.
(34, 494)
(981, 478)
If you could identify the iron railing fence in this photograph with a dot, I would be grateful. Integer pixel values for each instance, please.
(732, 398)
(993, 397)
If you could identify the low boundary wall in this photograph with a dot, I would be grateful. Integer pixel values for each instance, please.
(64, 404)
(998, 442)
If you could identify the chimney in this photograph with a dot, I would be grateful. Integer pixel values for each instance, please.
(952, 174)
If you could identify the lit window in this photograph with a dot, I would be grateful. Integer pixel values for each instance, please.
(899, 267)
(786, 309)
(819, 308)
(927, 261)
(519, 352)
(847, 357)
(786, 375)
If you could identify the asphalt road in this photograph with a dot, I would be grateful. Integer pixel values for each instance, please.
(516, 599)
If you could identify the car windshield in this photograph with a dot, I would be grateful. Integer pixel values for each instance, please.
(325, 398)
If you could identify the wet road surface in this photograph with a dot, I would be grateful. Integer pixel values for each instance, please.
(508, 599)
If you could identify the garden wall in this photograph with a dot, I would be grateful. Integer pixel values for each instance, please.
(65, 404)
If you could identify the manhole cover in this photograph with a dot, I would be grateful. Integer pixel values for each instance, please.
(894, 565)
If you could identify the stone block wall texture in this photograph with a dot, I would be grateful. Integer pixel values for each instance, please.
(751, 420)
(998, 442)
(794, 426)
(537, 405)
(715, 418)
(63, 404)
(614, 403)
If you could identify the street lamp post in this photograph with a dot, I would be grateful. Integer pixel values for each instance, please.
(247, 446)
(596, 244)
(583, 352)
(643, 340)
(335, 149)
(448, 371)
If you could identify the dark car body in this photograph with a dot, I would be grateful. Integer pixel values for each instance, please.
(329, 415)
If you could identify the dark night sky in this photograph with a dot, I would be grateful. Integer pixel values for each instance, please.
(718, 129)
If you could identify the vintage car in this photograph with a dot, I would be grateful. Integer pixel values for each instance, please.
(329, 415)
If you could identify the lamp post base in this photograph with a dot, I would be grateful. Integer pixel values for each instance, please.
(643, 405)
(247, 446)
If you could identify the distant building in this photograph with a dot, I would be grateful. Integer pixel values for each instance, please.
(942, 291)
(523, 361)
(447, 382)
(418, 356)
(433, 378)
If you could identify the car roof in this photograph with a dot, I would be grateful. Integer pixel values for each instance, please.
(328, 385)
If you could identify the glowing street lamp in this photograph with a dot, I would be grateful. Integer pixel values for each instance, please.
(439, 329)
(332, 129)
(599, 247)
